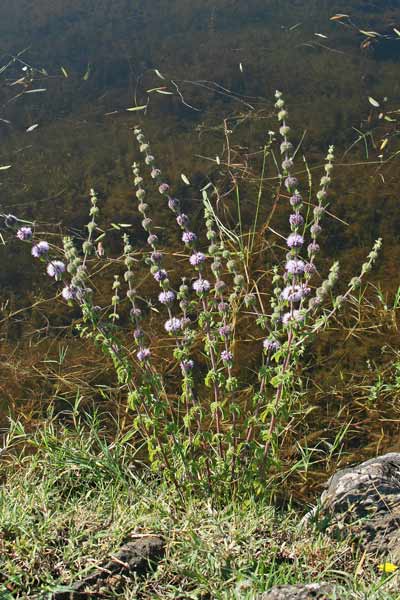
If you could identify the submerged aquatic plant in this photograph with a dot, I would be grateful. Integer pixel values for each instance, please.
(211, 435)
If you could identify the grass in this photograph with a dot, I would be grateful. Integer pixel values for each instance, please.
(73, 498)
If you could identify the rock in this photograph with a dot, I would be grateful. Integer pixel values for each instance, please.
(134, 557)
(301, 591)
(364, 501)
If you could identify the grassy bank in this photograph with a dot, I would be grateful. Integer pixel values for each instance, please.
(69, 499)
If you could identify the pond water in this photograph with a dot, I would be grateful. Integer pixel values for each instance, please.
(202, 62)
(193, 64)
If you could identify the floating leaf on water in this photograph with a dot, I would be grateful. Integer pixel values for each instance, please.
(32, 127)
(396, 31)
(387, 567)
(366, 44)
(36, 91)
(157, 72)
(321, 35)
(87, 74)
(389, 119)
(373, 102)
(369, 33)
(100, 249)
(339, 16)
(134, 108)
(64, 72)
(159, 90)
(185, 179)
(5, 167)
(19, 81)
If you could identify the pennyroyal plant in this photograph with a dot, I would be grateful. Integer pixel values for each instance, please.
(212, 435)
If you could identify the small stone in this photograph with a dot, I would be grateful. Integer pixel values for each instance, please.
(135, 557)
(301, 591)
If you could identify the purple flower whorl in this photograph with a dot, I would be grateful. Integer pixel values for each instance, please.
(186, 365)
(69, 292)
(55, 268)
(188, 237)
(197, 259)
(166, 297)
(201, 285)
(295, 240)
(290, 183)
(24, 233)
(296, 220)
(227, 356)
(225, 331)
(295, 266)
(295, 200)
(160, 275)
(295, 316)
(173, 325)
(143, 354)
(40, 249)
(271, 345)
(163, 188)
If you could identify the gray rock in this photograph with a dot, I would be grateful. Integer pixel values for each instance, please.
(364, 501)
(308, 591)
